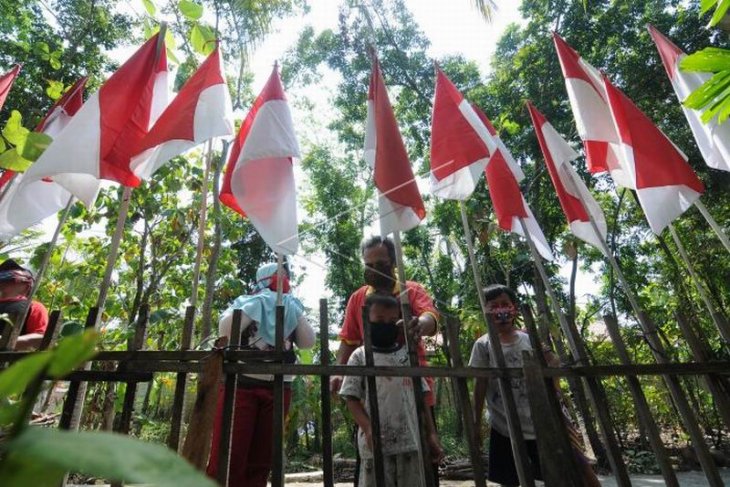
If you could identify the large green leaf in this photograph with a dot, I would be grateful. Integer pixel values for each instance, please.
(35, 144)
(202, 38)
(72, 352)
(708, 60)
(14, 130)
(191, 10)
(25, 471)
(108, 455)
(708, 91)
(16, 378)
(706, 5)
(150, 7)
(720, 11)
(10, 159)
(54, 90)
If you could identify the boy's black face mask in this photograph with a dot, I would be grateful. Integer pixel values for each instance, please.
(383, 333)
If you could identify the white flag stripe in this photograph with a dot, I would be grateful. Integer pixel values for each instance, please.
(263, 179)
(458, 185)
(538, 238)
(473, 119)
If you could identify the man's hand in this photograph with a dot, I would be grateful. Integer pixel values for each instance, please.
(436, 450)
(368, 432)
(424, 325)
(335, 384)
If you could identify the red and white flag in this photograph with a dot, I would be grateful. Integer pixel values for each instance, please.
(460, 143)
(6, 82)
(577, 202)
(42, 198)
(200, 111)
(619, 137)
(99, 141)
(503, 176)
(712, 138)
(259, 178)
(399, 201)
(665, 184)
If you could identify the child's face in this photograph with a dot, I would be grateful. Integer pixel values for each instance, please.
(383, 323)
(502, 311)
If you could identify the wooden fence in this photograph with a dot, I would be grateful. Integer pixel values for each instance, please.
(225, 362)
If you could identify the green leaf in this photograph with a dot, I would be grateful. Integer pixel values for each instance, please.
(11, 159)
(35, 144)
(72, 352)
(9, 412)
(171, 56)
(706, 5)
(108, 455)
(3, 145)
(720, 12)
(305, 356)
(14, 130)
(150, 7)
(16, 378)
(71, 328)
(191, 10)
(708, 60)
(17, 471)
(55, 63)
(41, 49)
(703, 95)
(54, 90)
(202, 38)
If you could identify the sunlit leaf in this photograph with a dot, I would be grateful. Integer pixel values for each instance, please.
(14, 131)
(107, 455)
(706, 5)
(35, 144)
(202, 38)
(10, 159)
(54, 90)
(708, 91)
(191, 10)
(150, 7)
(720, 11)
(16, 378)
(708, 60)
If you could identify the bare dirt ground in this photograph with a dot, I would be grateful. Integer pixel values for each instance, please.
(686, 479)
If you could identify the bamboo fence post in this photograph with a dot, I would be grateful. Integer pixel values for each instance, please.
(641, 404)
(326, 422)
(471, 424)
(229, 406)
(372, 393)
(277, 474)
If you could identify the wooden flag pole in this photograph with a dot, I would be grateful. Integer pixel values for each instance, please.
(596, 394)
(411, 345)
(719, 320)
(519, 449)
(715, 226)
(674, 387)
(110, 263)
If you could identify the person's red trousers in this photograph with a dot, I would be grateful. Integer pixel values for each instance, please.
(251, 439)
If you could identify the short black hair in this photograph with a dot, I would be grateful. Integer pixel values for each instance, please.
(495, 290)
(387, 301)
(377, 240)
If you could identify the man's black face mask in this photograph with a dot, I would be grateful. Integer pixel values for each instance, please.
(384, 333)
(379, 275)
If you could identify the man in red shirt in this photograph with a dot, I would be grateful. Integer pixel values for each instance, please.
(379, 257)
(15, 285)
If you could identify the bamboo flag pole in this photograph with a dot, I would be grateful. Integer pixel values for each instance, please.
(519, 449)
(277, 471)
(672, 382)
(719, 320)
(110, 263)
(201, 226)
(718, 230)
(411, 345)
(596, 393)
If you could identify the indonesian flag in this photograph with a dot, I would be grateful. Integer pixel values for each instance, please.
(589, 102)
(99, 142)
(400, 205)
(503, 176)
(712, 138)
(460, 143)
(6, 82)
(200, 111)
(42, 198)
(259, 178)
(577, 202)
(664, 182)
